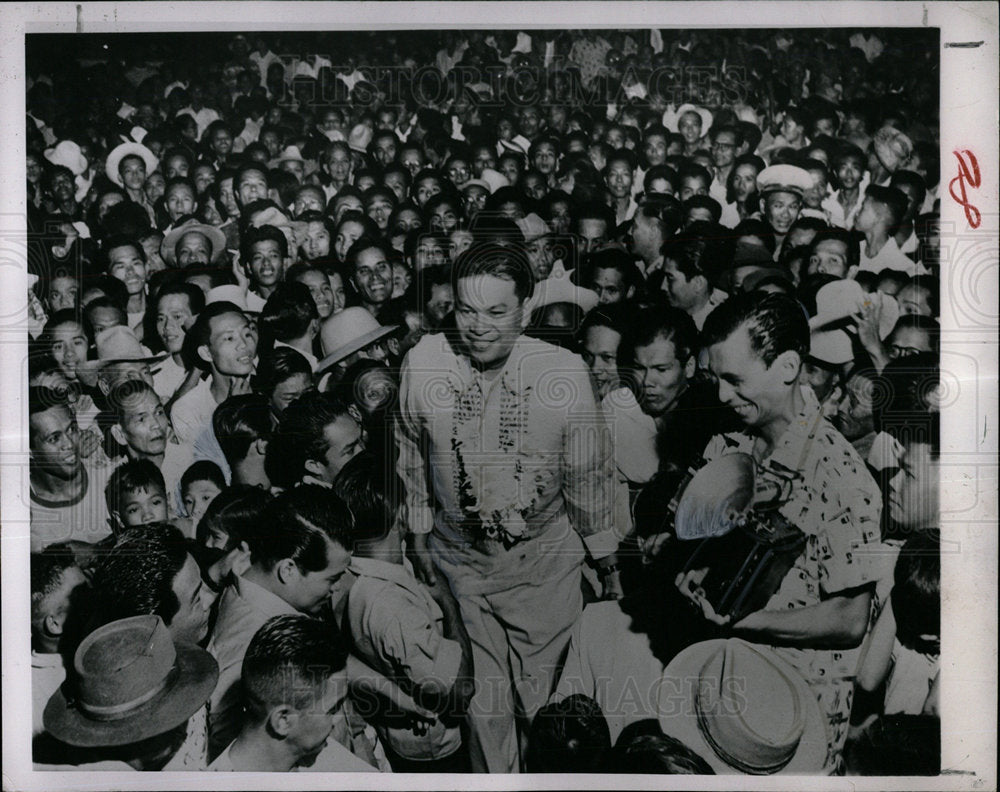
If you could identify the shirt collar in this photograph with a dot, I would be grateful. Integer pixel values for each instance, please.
(260, 599)
(788, 450)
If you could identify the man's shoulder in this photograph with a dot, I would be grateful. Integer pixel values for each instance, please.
(194, 397)
(429, 351)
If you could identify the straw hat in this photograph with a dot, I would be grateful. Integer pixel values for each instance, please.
(839, 300)
(133, 682)
(743, 709)
(118, 153)
(359, 138)
(117, 344)
(494, 179)
(344, 333)
(831, 347)
(215, 237)
(671, 120)
(533, 227)
(557, 288)
(68, 154)
(230, 294)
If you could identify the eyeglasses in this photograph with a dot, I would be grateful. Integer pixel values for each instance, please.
(723, 145)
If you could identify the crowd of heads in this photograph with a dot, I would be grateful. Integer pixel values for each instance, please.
(214, 222)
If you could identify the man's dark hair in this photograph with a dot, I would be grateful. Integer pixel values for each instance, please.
(203, 470)
(642, 747)
(692, 170)
(926, 324)
(289, 661)
(297, 525)
(507, 262)
(775, 323)
(916, 592)
(753, 226)
(616, 259)
(660, 172)
(136, 475)
(200, 333)
(704, 202)
(907, 408)
(665, 211)
(235, 512)
(892, 199)
(239, 422)
(373, 492)
(700, 249)
(666, 322)
(135, 577)
(195, 296)
(568, 736)
(896, 745)
(909, 178)
(850, 239)
(254, 235)
(752, 135)
(287, 313)
(277, 366)
(932, 287)
(300, 436)
(47, 570)
(96, 304)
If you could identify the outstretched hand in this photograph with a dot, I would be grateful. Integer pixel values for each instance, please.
(689, 584)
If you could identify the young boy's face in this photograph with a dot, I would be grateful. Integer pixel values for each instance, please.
(64, 292)
(267, 265)
(140, 507)
(197, 498)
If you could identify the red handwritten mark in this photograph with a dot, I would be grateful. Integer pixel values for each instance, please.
(968, 172)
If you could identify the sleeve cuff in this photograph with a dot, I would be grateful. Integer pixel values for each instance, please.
(601, 544)
(447, 662)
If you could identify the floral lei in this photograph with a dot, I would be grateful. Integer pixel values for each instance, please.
(493, 498)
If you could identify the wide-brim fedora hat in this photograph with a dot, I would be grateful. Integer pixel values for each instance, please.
(743, 709)
(118, 153)
(216, 238)
(346, 332)
(131, 682)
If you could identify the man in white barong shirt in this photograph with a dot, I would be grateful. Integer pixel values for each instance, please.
(521, 468)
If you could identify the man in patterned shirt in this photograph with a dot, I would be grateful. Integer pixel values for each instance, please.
(522, 469)
(820, 613)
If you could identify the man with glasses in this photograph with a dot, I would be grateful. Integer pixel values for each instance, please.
(726, 141)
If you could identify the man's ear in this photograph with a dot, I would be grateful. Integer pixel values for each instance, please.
(789, 364)
(355, 413)
(103, 387)
(630, 293)
(691, 366)
(260, 446)
(314, 467)
(204, 353)
(285, 570)
(54, 623)
(281, 720)
(118, 434)
(313, 330)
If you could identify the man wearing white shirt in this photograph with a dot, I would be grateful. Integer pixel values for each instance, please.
(225, 345)
(521, 477)
(880, 213)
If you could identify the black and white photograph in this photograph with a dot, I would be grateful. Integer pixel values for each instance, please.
(455, 389)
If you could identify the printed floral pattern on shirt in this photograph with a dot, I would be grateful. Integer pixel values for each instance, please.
(498, 495)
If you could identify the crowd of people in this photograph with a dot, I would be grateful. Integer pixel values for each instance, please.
(402, 409)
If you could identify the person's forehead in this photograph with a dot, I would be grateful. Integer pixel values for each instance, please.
(832, 246)
(142, 402)
(194, 239)
(57, 417)
(264, 246)
(228, 321)
(593, 224)
(124, 252)
(486, 290)
(600, 337)
(605, 274)
(372, 257)
(781, 196)
(342, 430)
(68, 330)
(659, 351)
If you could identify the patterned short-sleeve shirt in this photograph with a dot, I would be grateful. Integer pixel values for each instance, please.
(837, 504)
